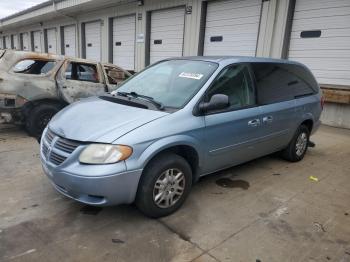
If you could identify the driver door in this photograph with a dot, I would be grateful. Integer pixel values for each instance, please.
(232, 134)
(77, 80)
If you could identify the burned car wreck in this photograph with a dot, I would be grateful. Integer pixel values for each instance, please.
(35, 86)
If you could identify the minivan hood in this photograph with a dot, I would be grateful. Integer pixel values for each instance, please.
(97, 120)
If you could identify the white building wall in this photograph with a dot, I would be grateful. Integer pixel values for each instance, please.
(271, 39)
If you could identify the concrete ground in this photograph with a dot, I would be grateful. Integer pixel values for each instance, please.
(265, 210)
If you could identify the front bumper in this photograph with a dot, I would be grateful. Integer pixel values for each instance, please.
(100, 185)
(106, 190)
(10, 115)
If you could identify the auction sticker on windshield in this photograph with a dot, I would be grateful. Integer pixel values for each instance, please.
(191, 75)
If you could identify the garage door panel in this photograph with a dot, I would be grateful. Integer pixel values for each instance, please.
(234, 22)
(330, 12)
(8, 42)
(224, 23)
(25, 41)
(232, 30)
(167, 32)
(332, 63)
(319, 4)
(219, 52)
(342, 32)
(51, 40)
(314, 53)
(93, 40)
(233, 5)
(328, 55)
(234, 13)
(320, 43)
(173, 28)
(124, 34)
(243, 40)
(70, 40)
(320, 23)
(37, 41)
(15, 42)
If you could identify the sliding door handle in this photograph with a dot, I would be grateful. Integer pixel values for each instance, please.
(254, 122)
(267, 119)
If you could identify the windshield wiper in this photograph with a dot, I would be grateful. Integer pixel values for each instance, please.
(150, 99)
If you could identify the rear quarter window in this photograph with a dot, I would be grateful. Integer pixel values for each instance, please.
(34, 66)
(281, 82)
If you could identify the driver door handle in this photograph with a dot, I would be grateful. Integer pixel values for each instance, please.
(267, 119)
(254, 122)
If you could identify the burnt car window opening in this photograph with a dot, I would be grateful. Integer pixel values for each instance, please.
(82, 72)
(171, 83)
(34, 66)
(115, 75)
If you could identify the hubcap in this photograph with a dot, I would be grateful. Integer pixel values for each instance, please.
(301, 144)
(169, 188)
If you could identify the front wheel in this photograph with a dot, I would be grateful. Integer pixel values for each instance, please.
(39, 117)
(297, 147)
(164, 186)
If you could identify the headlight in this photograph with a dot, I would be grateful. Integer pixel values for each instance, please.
(104, 154)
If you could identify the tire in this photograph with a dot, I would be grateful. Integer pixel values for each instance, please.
(298, 146)
(39, 117)
(156, 171)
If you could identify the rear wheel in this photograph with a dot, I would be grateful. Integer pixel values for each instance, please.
(164, 185)
(297, 147)
(39, 117)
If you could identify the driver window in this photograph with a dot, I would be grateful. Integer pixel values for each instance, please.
(235, 82)
(82, 72)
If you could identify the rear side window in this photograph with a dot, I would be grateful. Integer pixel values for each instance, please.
(34, 67)
(82, 72)
(281, 82)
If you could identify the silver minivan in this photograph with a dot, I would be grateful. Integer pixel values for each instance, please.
(179, 119)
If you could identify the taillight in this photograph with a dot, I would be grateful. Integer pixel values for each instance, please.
(322, 102)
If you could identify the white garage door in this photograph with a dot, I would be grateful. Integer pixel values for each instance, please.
(93, 40)
(8, 42)
(167, 33)
(124, 42)
(51, 40)
(69, 40)
(1, 42)
(320, 39)
(15, 42)
(25, 41)
(37, 43)
(232, 27)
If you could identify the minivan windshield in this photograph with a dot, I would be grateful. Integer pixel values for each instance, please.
(170, 83)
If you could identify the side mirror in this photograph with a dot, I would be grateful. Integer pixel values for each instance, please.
(217, 102)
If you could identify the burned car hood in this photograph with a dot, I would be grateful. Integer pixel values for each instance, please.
(97, 120)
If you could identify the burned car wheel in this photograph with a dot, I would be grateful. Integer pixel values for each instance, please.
(39, 117)
(164, 186)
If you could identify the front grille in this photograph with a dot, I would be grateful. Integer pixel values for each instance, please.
(56, 149)
(66, 145)
(56, 158)
(49, 136)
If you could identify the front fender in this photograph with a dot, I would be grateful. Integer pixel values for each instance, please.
(163, 144)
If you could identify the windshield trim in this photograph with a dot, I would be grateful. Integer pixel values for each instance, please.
(175, 59)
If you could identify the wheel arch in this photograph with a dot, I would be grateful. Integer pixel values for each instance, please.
(186, 147)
